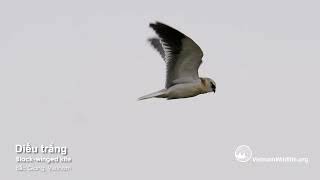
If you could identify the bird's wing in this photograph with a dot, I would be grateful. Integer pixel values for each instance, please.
(156, 43)
(182, 54)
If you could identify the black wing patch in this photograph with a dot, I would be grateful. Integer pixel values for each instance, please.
(172, 45)
(171, 39)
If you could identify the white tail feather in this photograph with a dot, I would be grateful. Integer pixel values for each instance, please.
(160, 93)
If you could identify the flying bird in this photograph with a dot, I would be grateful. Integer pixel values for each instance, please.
(183, 58)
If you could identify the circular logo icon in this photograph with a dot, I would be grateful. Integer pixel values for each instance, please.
(243, 153)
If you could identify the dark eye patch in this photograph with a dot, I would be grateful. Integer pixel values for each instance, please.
(213, 87)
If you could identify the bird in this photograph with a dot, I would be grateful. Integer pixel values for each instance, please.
(183, 58)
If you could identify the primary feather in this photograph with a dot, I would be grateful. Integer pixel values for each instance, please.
(182, 55)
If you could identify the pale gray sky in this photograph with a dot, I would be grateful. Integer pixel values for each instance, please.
(71, 72)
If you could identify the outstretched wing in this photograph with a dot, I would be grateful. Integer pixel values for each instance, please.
(182, 54)
(156, 43)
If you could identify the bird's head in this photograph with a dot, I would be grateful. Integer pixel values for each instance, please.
(209, 84)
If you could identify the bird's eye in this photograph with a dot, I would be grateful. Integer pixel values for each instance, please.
(213, 87)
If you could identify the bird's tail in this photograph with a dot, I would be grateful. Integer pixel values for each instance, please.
(161, 93)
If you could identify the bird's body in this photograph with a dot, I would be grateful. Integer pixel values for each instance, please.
(183, 58)
(185, 90)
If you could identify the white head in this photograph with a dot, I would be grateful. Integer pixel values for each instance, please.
(209, 84)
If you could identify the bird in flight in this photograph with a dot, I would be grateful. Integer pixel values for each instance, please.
(183, 58)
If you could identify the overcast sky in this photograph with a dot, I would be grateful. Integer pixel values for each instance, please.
(71, 71)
